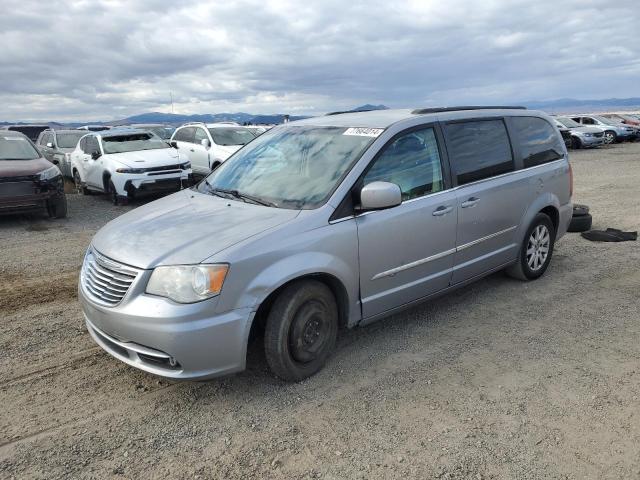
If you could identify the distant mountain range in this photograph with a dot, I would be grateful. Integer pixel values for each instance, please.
(563, 105)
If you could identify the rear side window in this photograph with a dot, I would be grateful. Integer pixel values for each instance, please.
(539, 143)
(185, 134)
(479, 149)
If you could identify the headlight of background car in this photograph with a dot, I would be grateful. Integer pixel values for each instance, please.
(49, 173)
(187, 283)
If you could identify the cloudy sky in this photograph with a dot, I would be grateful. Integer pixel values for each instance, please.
(102, 60)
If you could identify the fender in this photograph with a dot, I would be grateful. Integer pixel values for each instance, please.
(545, 199)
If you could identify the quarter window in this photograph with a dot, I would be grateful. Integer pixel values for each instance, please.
(538, 140)
(412, 162)
(479, 149)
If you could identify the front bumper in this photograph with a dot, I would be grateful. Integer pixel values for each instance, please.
(591, 141)
(30, 194)
(145, 186)
(183, 342)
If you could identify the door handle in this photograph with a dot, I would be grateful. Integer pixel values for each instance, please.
(471, 202)
(442, 210)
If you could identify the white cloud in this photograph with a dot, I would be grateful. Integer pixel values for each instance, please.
(112, 58)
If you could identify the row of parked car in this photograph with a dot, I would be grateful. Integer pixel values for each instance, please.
(588, 131)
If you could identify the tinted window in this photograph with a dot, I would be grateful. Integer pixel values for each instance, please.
(91, 145)
(185, 134)
(412, 162)
(200, 135)
(479, 149)
(231, 135)
(46, 138)
(539, 143)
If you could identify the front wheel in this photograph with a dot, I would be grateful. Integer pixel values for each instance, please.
(610, 137)
(57, 206)
(576, 144)
(301, 330)
(536, 250)
(77, 183)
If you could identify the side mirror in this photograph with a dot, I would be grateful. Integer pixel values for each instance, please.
(174, 144)
(380, 195)
(49, 145)
(205, 143)
(96, 155)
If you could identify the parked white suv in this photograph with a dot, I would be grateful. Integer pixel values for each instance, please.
(208, 145)
(125, 163)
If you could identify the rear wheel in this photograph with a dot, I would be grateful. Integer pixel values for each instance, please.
(536, 250)
(301, 330)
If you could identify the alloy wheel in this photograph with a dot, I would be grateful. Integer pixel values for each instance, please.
(538, 247)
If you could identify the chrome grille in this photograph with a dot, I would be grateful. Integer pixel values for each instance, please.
(106, 280)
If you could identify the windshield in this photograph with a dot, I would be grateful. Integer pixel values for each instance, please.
(68, 140)
(16, 148)
(132, 142)
(567, 122)
(607, 121)
(294, 167)
(231, 135)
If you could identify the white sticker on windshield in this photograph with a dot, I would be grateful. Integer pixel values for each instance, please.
(364, 132)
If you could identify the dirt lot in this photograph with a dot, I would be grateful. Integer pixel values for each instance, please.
(500, 380)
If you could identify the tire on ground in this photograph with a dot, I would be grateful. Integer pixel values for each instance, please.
(580, 210)
(521, 269)
(580, 223)
(301, 330)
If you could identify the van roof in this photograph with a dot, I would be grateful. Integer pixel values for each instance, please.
(385, 118)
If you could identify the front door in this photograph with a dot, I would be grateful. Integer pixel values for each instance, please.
(93, 167)
(407, 252)
(198, 154)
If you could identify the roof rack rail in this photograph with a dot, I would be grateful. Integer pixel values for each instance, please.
(423, 111)
(192, 123)
(352, 111)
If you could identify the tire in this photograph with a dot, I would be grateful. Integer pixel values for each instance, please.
(114, 197)
(580, 223)
(610, 137)
(530, 264)
(57, 207)
(576, 144)
(79, 188)
(301, 330)
(580, 210)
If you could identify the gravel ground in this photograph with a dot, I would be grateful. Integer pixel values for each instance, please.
(500, 380)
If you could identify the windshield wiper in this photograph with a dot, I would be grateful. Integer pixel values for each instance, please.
(241, 196)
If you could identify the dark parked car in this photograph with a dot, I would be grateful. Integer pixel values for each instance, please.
(57, 145)
(28, 181)
(31, 131)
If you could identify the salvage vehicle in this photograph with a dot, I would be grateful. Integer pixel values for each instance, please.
(57, 145)
(28, 182)
(325, 223)
(126, 163)
(623, 118)
(581, 135)
(31, 131)
(613, 131)
(208, 145)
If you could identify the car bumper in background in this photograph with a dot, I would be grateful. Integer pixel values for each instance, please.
(148, 186)
(26, 195)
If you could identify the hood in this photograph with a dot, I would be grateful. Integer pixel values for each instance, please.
(19, 168)
(184, 228)
(148, 158)
(225, 151)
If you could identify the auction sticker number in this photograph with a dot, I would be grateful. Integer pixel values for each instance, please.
(364, 132)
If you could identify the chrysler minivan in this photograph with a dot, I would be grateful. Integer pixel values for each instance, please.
(321, 224)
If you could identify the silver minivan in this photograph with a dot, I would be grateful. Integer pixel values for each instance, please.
(325, 223)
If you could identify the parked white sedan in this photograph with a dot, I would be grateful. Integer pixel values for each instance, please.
(208, 145)
(128, 163)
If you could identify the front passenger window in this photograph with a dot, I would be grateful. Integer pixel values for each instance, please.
(412, 162)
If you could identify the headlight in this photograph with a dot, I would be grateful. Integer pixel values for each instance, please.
(588, 134)
(131, 170)
(49, 173)
(187, 283)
